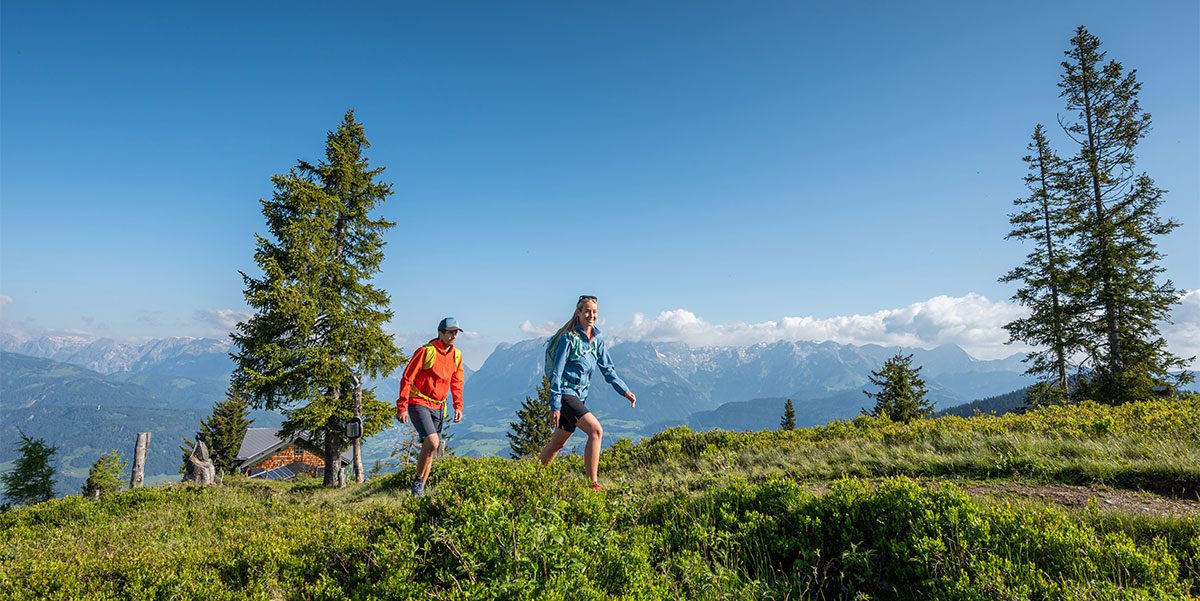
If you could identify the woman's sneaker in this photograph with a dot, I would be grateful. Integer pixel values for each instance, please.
(596, 486)
(418, 488)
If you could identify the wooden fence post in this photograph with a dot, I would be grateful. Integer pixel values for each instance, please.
(139, 460)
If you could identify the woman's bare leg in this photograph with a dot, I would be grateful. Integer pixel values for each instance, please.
(591, 452)
(557, 441)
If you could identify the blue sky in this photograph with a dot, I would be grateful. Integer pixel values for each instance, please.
(716, 172)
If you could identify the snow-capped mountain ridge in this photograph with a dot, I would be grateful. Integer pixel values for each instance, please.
(107, 356)
(700, 378)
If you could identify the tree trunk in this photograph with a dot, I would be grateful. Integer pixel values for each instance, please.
(333, 463)
(1060, 352)
(359, 475)
(334, 478)
(1102, 228)
(139, 460)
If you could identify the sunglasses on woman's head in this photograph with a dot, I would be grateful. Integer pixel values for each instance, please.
(584, 297)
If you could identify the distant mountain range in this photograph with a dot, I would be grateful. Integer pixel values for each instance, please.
(201, 357)
(741, 387)
(691, 379)
(86, 414)
(89, 396)
(27, 382)
(725, 387)
(184, 370)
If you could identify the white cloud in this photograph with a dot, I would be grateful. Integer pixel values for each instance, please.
(220, 322)
(1183, 336)
(971, 321)
(545, 328)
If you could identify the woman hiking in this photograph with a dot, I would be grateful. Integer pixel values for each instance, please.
(572, 355)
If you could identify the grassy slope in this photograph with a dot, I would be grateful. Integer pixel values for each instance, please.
(854, 507)
(1153, 445)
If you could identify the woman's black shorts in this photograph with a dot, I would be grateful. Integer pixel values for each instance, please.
(427, 421)
(573, 410)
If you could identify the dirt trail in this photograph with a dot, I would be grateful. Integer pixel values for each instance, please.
(1077, 497)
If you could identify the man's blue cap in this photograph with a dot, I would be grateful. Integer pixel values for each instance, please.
(448, 324)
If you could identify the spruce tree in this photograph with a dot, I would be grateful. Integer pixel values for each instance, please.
(788, 422)
(104, 477)
(1047, 276)
(31, 479)
(317, 333)
(225, 429)
(532, 429)
(901, 395)
(1118, 223)
(222, 432)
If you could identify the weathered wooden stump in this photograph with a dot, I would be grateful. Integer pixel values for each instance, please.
(137, 475)
(200, 469)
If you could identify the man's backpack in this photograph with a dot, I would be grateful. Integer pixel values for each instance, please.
(431, 356)
(427, 363)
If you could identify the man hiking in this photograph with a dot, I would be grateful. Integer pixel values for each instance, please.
(434, 370)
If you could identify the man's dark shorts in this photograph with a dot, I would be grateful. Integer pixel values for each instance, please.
(427, 421)
(572, 411)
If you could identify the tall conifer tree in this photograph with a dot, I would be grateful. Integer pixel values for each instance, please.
(532, 429)
(222, 432)
(1119, 221)
(317, 331)
(1048, 279)
(901, 395)
(788, 421)
(31, 479)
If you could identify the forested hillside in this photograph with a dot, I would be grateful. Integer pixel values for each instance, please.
(86, 414)
(993, 405)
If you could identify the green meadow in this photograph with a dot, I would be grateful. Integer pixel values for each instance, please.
(1077, 502)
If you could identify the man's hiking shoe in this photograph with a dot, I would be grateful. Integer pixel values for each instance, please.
(596, 486)
(418, 488)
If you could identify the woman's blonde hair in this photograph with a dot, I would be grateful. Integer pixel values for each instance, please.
(574, 321)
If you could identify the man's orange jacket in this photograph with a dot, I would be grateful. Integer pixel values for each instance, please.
(434, 370)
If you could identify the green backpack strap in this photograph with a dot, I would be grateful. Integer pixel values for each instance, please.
(457, 366)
